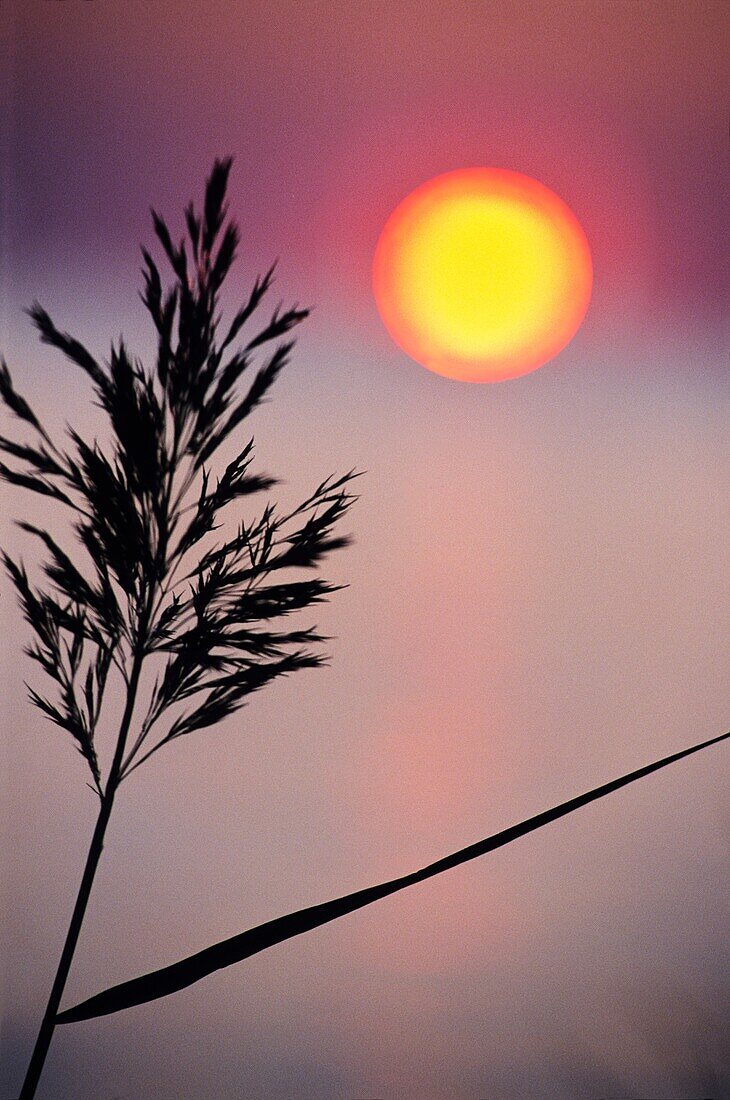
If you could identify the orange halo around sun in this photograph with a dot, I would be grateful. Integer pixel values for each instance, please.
(482, 274)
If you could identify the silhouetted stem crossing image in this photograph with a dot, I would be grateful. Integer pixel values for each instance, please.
(155, 586)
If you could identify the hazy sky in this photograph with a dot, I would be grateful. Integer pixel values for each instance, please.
(538, 593)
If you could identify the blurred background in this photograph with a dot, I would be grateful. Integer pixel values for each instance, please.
(537, 600)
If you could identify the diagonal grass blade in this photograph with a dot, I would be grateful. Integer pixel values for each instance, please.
(170, 979)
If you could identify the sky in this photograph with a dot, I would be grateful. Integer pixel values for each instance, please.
(537, 592)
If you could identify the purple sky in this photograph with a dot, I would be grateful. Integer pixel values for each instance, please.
(538, 593)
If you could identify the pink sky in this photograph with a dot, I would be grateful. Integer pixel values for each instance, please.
(538, 589)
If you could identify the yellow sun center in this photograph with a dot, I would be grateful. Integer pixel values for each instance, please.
(482, 274)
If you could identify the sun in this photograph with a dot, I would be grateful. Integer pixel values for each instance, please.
(482, 274)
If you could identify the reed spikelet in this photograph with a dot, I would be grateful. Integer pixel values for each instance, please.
(154, 578)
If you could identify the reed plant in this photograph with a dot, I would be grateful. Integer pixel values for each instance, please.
(152, 581)
(157, 583)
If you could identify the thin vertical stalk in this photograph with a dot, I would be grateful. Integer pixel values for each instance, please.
(48, 1023)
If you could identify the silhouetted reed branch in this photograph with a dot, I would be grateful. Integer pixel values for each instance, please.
(179, 975)
(156, 585)
(154, 582)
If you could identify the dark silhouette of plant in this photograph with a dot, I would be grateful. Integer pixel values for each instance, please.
(142, 511)
(181, 974)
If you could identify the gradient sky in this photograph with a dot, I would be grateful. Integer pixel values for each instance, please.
(538, 593)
